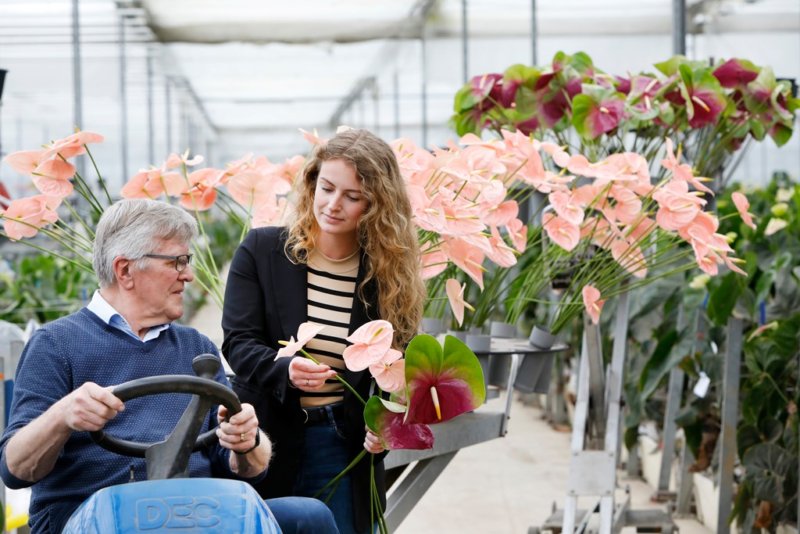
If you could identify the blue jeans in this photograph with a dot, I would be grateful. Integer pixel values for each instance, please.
(300, 515)
(324, 457)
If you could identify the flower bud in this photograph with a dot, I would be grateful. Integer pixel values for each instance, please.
(775, 225)
(784, 195)
(730, 237)
(700, 281)
(780, 209)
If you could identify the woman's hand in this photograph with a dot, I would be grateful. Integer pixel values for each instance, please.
(307, 375)
(373, 443)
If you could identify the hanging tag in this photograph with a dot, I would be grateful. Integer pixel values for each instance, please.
(701, 388)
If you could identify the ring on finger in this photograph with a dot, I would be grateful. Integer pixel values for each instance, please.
(307, 381)
(243, 436)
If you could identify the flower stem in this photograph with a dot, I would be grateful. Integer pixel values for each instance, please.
(339, 378)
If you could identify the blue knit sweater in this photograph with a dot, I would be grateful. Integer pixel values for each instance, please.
(80, 348)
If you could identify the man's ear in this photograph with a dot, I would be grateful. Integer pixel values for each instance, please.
(123, 272)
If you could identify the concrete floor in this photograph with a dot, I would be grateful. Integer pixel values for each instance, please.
(505, 485)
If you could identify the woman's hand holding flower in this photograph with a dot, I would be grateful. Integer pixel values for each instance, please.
(307, 375)
(372, 443)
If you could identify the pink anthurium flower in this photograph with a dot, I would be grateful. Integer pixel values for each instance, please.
(370, 342)
(441, 383)
(592, 302)
(742, 206)
(563, 233)
(455, 294)
(390, 372)
(73, 145)
(386, 420)
(25, 161)
(25, 216)
(681, 171)
(52, 176)
(305, 333)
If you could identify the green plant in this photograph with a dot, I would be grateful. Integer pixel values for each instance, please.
(43, 288)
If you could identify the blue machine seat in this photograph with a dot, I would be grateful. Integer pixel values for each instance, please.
(184, 505)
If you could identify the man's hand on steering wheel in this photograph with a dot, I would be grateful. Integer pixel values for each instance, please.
(239, 432)
(90, 407)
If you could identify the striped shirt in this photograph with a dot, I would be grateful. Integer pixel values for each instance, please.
(331, 288)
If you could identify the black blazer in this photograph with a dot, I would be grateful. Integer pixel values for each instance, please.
(266, 301)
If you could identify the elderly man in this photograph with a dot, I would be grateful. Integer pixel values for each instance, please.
(67, 370)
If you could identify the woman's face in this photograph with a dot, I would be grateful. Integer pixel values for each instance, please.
(338, 199)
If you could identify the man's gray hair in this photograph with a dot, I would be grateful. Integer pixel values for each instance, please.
(133, 228)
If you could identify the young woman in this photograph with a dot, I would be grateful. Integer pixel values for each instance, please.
(349, 256)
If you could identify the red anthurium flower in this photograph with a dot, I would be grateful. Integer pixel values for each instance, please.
(736, 72)
(701, 93)
(305, 333)
(742, 206)
(441, 383)
(370, 342)
(385, 419)
(596, 113)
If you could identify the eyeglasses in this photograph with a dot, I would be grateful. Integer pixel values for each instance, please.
(181, 262)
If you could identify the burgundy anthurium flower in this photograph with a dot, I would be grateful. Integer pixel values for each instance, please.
(735, 72)
(385, 419)
(441, 383)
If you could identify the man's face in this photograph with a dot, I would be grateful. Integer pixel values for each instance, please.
(159, 286)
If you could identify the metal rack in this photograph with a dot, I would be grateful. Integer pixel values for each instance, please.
(423, 467)
(595, 443)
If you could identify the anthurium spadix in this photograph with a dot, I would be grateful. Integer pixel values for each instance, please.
(385, 419)
(441, 383)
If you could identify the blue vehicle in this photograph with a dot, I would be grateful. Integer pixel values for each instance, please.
(169, 501)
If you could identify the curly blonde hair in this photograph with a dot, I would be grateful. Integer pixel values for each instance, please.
(386, 233)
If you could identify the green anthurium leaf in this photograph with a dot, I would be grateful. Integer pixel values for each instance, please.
(523, 73)
(390, 428)
(659, 363)
(464, 100)
(670, 66)
(757, 129)
(747, 436)
(581, 62)
(722, 299)
(767, 466)
(452, 377)
(780, 134)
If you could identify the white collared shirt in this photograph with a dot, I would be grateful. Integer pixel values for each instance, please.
(106, 312)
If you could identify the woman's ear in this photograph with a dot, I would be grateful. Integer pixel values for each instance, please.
(123, 272)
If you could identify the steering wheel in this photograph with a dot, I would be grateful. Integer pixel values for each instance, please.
(170, 458)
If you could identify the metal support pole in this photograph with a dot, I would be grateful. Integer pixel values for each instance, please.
(730, 413)
(77, 85)
(674, 394)
(685, 483)
(376, 112)
(151, 150)
(464, 41)
(168, 112)
(396, 103)
(534, 35)
(123, 102)
(424, 93)
(679, 27)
